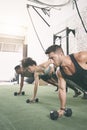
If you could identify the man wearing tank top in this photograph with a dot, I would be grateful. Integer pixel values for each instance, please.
(72, 67)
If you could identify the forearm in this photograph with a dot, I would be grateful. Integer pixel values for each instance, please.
(35, 91)
(61, 93)
(36, 84)
(62, 97)
(21, 86)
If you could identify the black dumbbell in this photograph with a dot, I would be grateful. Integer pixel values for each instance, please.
(54, 114)
(68, 112)
(36, 100)
(15, 93)
(29, 101)
(23, 93)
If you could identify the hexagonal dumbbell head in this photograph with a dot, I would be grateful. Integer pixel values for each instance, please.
(54, 115)
(36, 100)
(28, 101)
(23, 93)
(15, 93)
(68, 112)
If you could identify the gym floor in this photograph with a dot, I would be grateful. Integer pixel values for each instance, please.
(16, 114)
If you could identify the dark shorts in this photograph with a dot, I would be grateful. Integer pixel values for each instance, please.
(30, 80)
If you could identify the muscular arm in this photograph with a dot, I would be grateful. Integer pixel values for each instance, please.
(61, 92)
(35, 85)
(21, 84)
(47, 63)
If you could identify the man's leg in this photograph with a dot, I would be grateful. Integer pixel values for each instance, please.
(52, 79)
(30, 80)
(78, 91)
(84, 95)
(49, 79)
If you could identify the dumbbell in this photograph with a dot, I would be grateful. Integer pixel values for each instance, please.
(15, 93)
(54, 114)
(29, 101)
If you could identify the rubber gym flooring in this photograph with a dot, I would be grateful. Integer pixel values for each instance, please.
(16, 114)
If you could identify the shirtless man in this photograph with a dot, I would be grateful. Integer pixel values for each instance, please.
(47, 72)
(23, 73)
(48, 75)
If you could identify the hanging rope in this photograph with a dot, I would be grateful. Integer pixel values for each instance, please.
(40, 16)
(80, 16)
(50, 5)
(35, 29)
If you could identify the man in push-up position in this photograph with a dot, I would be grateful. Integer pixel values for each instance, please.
(46, 72)
(48, 76)
(72, 67)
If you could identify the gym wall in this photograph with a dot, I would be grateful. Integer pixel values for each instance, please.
(79, 42)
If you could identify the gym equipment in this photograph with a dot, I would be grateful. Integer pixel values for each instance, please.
(22, 93)
(32, 101)
(54, 114)
(68, 112)
(15, 93)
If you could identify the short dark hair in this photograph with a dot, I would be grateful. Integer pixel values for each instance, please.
(17, 67)
(28, 62)
(53, 48)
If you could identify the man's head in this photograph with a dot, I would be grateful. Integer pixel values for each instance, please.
(29, 63)
(18, 69)
(55, 52)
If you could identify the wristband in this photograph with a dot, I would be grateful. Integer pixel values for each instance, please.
(62, 109)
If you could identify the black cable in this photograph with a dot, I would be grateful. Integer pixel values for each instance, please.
(35, 29)
(80, 15)
(40, 16)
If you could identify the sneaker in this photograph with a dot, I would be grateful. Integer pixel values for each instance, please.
(56, 90)
(84, 96)
(77, 94)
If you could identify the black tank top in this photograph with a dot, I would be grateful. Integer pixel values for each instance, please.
(80, 75)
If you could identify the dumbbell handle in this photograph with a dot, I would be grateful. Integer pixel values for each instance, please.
(67, 111)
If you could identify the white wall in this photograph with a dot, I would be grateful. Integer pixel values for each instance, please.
(8, 61)
(68, 17)
(44, 34)
(61, 18)
(15, 20)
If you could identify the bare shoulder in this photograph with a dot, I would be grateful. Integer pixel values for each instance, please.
(81, 56)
